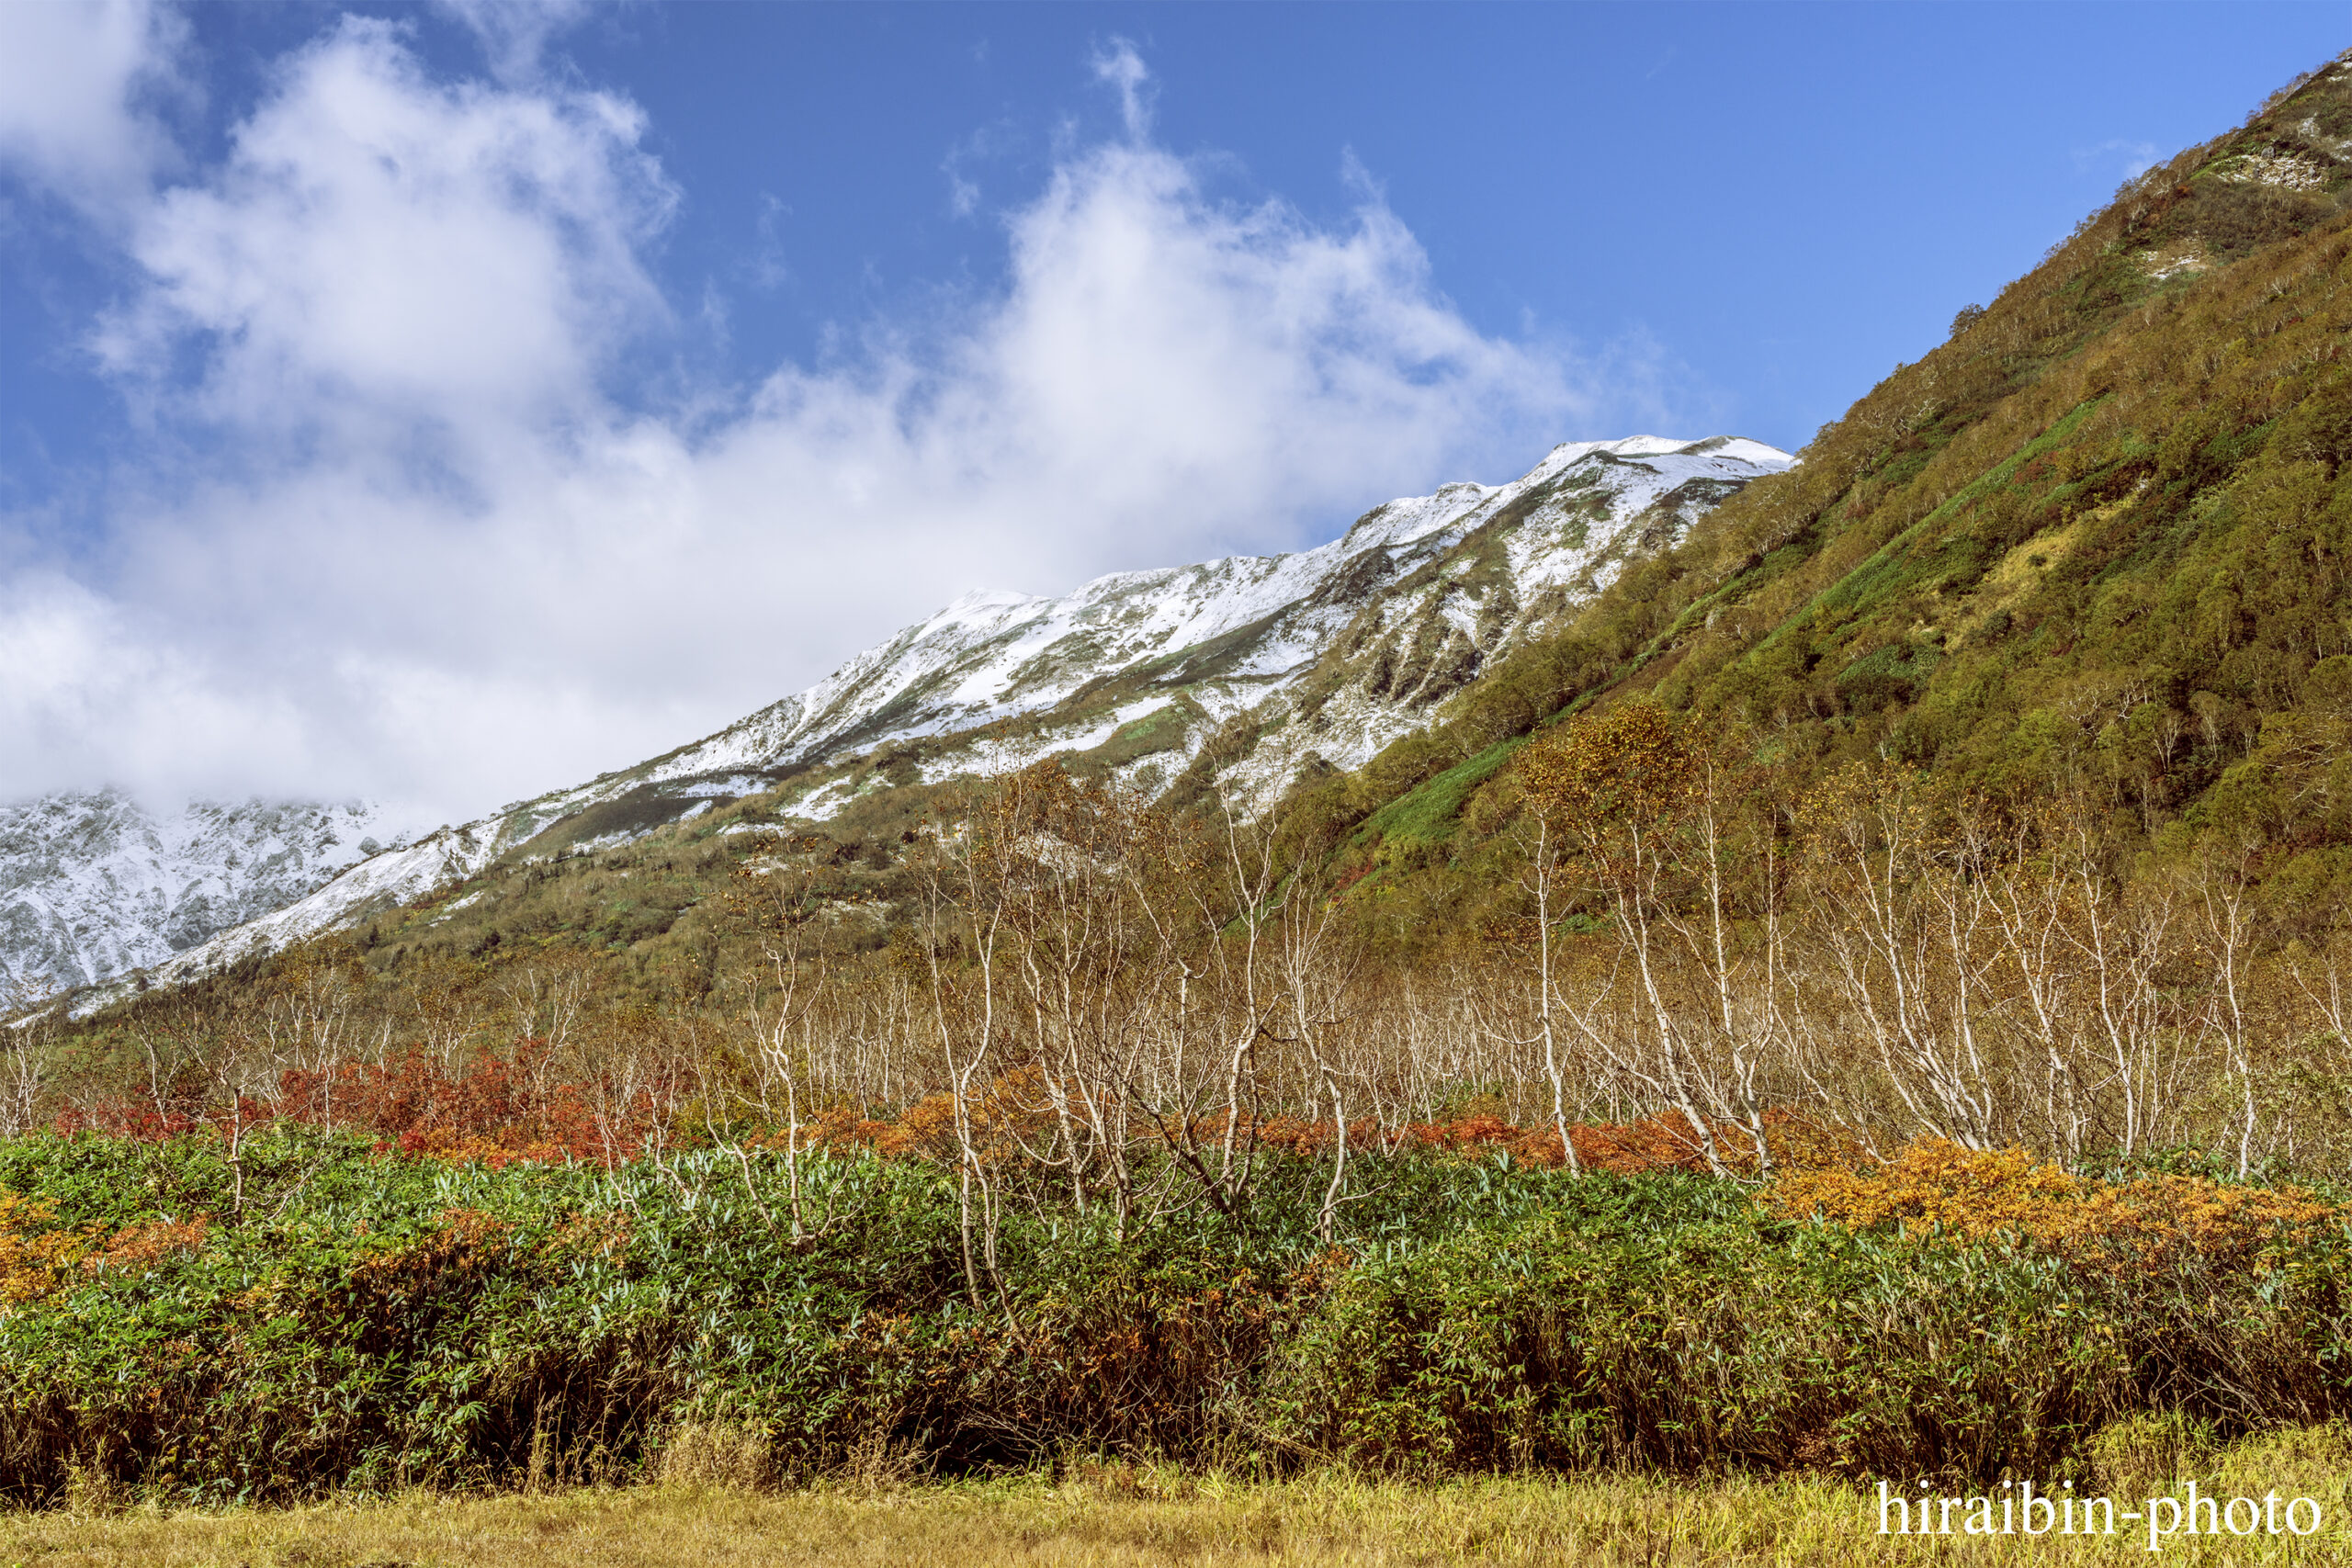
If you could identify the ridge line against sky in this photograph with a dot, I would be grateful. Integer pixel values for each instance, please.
(442, 405)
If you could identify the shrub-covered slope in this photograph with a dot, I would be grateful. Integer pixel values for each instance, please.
(307, 1316)
(2098, 537)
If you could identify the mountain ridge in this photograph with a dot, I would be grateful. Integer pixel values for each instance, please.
(1321, 656)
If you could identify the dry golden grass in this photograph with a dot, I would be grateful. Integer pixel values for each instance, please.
(1122, 1517)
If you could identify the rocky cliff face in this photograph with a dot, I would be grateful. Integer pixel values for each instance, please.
(1288, 662)
(92, 883)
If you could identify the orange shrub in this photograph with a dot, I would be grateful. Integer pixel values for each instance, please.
(494, 1112)
(38, 1256)
(1014, 1108)
(136, 1248)
(35, 1255)
(1977, 1197)
(1015, 1104)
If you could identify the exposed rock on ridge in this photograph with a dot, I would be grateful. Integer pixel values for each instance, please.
(92, 883)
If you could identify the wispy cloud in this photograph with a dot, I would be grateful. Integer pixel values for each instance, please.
(2128, 159)
(768, 267)
(1120, 67)
(514, 34)
(982, 146)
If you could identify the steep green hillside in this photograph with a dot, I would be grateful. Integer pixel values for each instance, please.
(2097, 538)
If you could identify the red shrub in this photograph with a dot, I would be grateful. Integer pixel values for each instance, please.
(496, 1110)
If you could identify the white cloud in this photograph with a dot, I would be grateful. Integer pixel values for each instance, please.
(77, 81)
(91, 698)
(1122, 68)
(417, 547)
(984, 145)
(2131, 159)
(514, 34)
(381, 251)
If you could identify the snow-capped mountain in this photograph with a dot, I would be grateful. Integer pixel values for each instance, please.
(1419, 594)
(92, 883)
(1287, 661)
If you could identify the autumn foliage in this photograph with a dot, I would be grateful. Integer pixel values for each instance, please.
(1980, 1198)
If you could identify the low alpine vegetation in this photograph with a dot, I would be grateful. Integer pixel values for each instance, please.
(311, 1313)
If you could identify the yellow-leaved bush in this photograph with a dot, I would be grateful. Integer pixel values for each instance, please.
(1978, 1196)
(38, 1256)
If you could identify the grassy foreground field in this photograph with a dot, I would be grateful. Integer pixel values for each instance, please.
(1122, 1516)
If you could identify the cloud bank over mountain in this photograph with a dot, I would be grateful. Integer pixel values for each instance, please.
(423, 500)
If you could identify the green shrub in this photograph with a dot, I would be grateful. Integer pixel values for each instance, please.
(368, 1320)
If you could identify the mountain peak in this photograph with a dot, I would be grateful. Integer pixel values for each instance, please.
(1320, 657)
(981, 602)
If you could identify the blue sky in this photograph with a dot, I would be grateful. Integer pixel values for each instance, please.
(448, 402)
